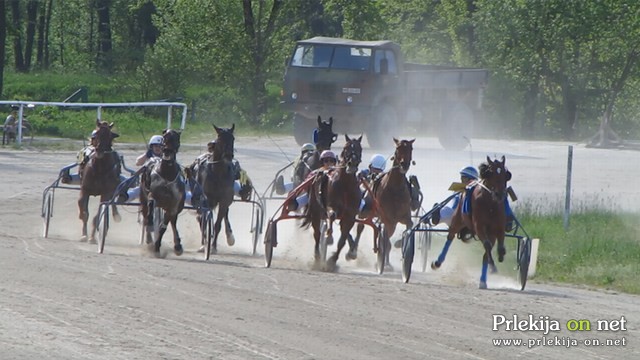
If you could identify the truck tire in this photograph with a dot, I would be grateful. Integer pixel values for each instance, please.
(302, 129)
(383, 127)
(456, 126)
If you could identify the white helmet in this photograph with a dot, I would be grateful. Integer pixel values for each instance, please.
(93, 134)
(378, 162)
(328, 154)
(307, 147)
(155, 140)
(469, 172)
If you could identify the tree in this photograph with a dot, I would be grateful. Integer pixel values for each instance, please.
(104, 60)
(3, 41)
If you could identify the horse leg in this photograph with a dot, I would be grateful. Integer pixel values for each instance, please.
(443, 254)
(177, 243)
(345, 228)
(163, 229)
(83, 205)
(148, 209)
(483, 275)
(352, 254)
(228, 231)
(217, 227)
(331, 217)
(501, 250)
(315, 223)
(488, 247)
(116, 214)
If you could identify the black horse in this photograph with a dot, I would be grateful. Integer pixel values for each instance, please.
(325, 138)
(216, 177)
(163, 186)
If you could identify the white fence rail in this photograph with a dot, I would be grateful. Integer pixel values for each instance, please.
(98, 107)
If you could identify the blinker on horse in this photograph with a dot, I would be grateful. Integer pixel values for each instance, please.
(100, 176)
(162, 185)
(482, 210)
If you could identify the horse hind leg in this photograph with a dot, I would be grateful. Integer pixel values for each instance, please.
(352, 254)
(116, 214)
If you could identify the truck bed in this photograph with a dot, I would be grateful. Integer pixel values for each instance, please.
(419, 76)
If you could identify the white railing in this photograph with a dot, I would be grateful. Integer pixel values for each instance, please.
(98, 106)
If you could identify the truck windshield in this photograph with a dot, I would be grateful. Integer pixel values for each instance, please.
(335, 57)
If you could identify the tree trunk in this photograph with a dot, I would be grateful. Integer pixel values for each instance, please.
(32, 16)
(259, 48)
(17, 36)
(40, 39)
(606, 137)
(3, 41)
(47, 28)
(104, 59)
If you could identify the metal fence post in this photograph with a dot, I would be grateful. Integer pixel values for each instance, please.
(567, 199)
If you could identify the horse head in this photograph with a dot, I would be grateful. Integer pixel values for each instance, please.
(170, 144)
(104, 138)
(224, 143)
(402, 158)
(326, 136)
(494, 176)
(351, 155)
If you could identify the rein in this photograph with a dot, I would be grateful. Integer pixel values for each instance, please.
(493, 193)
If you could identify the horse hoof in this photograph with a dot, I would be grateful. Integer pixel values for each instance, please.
(201, 249)
(83, 238)
(500, 258)
(178, 250)
(483, 285)
(350, 256)
(494, 269)
(435, 265)
(231, 240)
(388, 268)
(397, 244)
(117, 218)
(329, 239)
(92, 241)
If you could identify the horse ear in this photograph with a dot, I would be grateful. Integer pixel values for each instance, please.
(98, 122)
(484, 170)
(411, 141)
(346, 138)
(164, 131)
(503, 159)
(331, 121)
(489, 160)
(216, 128)
(396, 141)
(319, 121)
(360, 138)
(233, 126)
(110, 125)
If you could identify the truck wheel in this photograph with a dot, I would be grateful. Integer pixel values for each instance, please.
(302, 129)
(383, 127)
(456, 127)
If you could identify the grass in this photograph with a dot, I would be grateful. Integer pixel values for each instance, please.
(601, 247)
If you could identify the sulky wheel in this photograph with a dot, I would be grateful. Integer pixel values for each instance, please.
(256, 229)
(47, 213)
(382, 249)
(269, 241)
(424, 243)
(524, 258)
(408, 249)
(103, 226)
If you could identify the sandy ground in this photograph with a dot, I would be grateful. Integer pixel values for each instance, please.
(60, 299)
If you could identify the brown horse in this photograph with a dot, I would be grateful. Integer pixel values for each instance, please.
(325, 137)
(216, 177)
(392, 195)
(162, 185)
(483, 213)
(335, 196)
(100, 176)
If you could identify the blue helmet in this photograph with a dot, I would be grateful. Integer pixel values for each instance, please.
(469, 172)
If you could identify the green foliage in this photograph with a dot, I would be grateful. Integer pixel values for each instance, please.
(601, 248)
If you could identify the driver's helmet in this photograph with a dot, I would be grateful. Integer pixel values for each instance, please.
(469, 172)
(378, 162)
(307, 147)
(155, 140)
(93, 134)
(328, 154)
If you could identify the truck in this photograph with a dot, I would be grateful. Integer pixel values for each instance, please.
(368, 88)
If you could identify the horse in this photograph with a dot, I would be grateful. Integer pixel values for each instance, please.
(482, 211)
(216, 177)
(326, 137)
(100, 176)
(392, 194)
(335, 196)
(162, 185)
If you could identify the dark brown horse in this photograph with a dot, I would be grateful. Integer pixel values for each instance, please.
(335, 196)
(100, 176)
(326, 137)
(392, 195)
(162, 185)
(216, 177)
(484, 214)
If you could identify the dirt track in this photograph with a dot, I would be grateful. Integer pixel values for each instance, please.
(59, 299)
